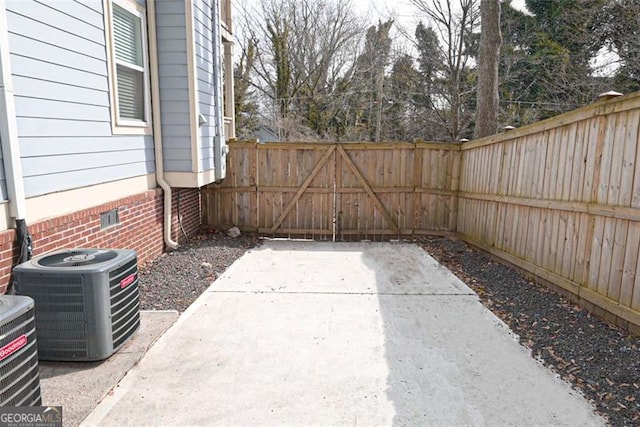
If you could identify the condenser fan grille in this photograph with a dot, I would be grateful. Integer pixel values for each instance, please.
(77, 258)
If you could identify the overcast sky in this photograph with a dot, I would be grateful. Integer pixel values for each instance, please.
(406, 15)
(404, 10)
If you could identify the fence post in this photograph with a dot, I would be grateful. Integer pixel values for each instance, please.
(254, 169)
(417, 184)
(455, 189)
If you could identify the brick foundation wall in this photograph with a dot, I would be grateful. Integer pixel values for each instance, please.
(186, 202)
(8, 256)
(140, 227)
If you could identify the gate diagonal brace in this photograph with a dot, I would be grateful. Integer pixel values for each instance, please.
(368, 189)
(303, 188)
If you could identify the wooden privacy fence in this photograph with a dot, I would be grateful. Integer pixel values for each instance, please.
(337, 191)
(561, 199)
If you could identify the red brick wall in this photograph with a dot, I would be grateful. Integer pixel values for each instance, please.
(186, 201)
(140, 228)
(8, 254)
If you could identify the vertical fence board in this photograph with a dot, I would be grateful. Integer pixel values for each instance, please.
(613, 194)
(608, 236)
(607, 159)
(629, 158)
(550, 137)
(560, 242)
(581, 253)
(577, 175)
(614, 283)
(635, 298)
(630, 263)
(568, 163)
(634, 134)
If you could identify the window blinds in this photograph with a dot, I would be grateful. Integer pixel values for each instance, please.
(127, 36)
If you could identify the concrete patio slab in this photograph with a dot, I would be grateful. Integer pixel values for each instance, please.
(310, 333)
(79, 386)
(406, 269)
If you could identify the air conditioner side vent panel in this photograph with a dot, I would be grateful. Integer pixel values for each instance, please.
(19, 375)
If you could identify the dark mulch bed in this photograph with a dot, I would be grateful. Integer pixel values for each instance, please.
(175, 279)
(598, 359)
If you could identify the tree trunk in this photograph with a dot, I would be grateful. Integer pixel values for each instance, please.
(488, 61)
(379, 100)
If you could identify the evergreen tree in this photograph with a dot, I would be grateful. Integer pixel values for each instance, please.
(620, 21)
(400, 112)
(368, 83)
(245, 108)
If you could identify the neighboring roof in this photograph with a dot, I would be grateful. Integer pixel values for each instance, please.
(264, 133)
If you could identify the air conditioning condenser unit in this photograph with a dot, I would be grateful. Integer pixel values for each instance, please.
(86, 301)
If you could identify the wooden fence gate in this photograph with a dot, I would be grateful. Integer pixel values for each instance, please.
(337, 191)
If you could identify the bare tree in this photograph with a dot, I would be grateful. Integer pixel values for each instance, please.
(245, 109)
(367, 82)
(488, 63)
(455, 23)
(303, 49)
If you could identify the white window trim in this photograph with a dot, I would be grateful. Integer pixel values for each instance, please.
(118, 125)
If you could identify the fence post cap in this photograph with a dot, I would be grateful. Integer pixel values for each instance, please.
(608, 95)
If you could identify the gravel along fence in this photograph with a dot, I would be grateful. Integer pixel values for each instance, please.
(175, 279)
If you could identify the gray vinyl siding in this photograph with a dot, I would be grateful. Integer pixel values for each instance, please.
(205, 63)
(59, 67)
(174, 85)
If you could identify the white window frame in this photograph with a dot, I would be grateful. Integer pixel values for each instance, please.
(124, 125)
